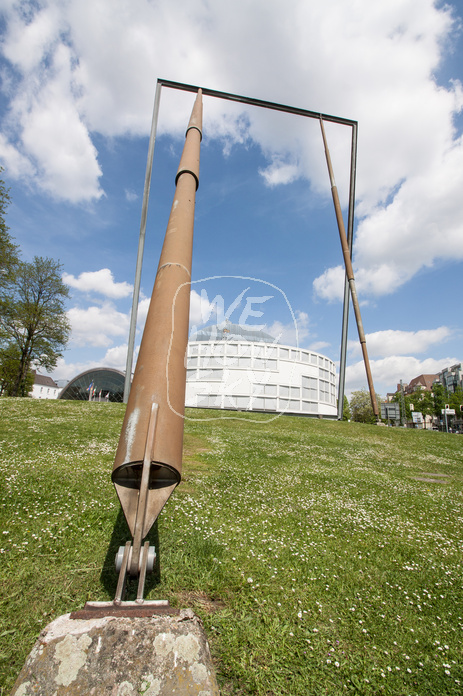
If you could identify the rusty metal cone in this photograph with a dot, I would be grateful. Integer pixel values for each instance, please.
(160, 372)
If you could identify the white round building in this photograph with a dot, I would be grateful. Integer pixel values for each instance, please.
(235, 367)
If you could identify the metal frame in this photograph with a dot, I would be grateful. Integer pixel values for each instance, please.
(149, 166)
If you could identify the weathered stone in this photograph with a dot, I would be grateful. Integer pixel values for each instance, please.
(155, 656)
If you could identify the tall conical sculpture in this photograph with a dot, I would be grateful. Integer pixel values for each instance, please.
(148, 461)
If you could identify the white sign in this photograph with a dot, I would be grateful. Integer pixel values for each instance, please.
(448, 411)
(417, 417)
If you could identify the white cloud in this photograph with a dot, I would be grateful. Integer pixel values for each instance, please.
(66, 371)
(101, 281)
(130, 196)
(279, 173)
(388, 372)
(393, 343)
(87, 68)
(27, 42)
(116, 357)
(290, 334)
(330, 285)
(142, 312)
(318, 346)
(17, 165)
(201, 310)
(96, 326)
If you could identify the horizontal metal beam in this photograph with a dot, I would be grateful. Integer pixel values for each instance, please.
(256, 102)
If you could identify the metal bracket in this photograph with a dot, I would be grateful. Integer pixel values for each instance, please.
(124, 556)
(137, 560)
(97, 610)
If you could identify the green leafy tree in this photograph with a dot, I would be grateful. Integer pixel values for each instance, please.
(9, 258)
(10, 358)
(423, 402)
(361, 408)
(346, 414)
(455, 401)
(33, 319)
(407, 401)
(440, 398)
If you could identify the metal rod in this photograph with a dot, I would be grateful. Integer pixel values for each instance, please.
(141, 244)
(142, 577)
(350, 273)
(256, 102)
(120, 590)
(350, 237)
(143, 493)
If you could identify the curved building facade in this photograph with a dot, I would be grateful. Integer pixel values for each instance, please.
(98, 384)
(240, 368)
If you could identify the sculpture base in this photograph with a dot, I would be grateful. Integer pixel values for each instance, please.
(158, 655)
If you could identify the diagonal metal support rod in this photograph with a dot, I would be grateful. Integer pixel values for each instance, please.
(143, 492)
(349, 272)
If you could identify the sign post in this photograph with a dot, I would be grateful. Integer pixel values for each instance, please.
(447, 412)
(390, 410)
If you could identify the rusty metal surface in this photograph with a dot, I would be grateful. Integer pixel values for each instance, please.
(126, 609)
(143, 494)
(349, 272)
(160, 373)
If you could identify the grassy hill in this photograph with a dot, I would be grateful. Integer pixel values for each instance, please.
(323, 557)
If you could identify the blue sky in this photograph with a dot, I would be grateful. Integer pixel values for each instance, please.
(78, 82)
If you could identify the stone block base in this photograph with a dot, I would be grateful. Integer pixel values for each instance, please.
(120, 656)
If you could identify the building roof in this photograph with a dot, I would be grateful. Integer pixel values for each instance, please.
(232, 332)
(44, 381)
(425, 381)
(422, 380)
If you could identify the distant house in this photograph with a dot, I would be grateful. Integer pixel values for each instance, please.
(44, 388)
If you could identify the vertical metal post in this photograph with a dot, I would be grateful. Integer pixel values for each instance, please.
(403, 415)
(141, 244)
(350, 274)
(345, 309)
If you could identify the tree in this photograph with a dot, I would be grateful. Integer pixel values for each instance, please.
(346, 414)
(361, 408)
(456, 400)
(440, 398)
(33, 318)
(9, 363)
(423, 402)
(9, 259)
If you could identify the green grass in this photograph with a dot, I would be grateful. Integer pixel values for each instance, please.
(317, 561)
